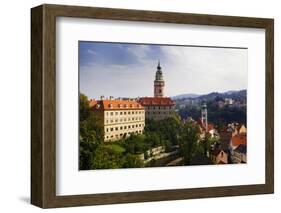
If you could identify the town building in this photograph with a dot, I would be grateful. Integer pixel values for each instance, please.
(239, 155)
(238, 140)
(158, 107)
(119, 118)
(219, 156)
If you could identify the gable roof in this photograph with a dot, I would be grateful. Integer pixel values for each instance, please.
(114, 105)
(156, 101)
(239, 139)
(216, 152)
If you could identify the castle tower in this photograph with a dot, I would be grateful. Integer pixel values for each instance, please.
(204, 116)
(159, 82)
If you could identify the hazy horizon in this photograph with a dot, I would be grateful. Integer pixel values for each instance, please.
(128, 70)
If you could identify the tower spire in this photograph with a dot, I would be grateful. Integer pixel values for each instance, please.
(159, 67)
(159, 83)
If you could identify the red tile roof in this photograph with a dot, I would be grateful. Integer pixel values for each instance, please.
(239, 139)
(156, 101)
(210, 126)
(114, 105)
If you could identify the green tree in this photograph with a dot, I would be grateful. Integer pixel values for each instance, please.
(189, 141)
(90, 134)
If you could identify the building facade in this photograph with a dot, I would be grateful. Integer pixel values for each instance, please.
(158, 107)
(119, 118)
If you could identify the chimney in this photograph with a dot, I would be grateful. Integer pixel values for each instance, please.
(102, 97)
(111, 98)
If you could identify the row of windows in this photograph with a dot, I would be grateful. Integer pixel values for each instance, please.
(125, 113)
(121, 135)
(124, 127)
(123, 120)
(158, 113)
(159, 107)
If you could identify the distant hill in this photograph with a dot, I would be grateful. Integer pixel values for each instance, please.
(236, 95)
(184, 96)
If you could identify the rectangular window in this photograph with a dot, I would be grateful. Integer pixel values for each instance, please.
(116, 128)
(111, 129)
(116, 113)
(111, 113)
(121, 113)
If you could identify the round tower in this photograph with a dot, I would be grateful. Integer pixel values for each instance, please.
(204, 116)
(159, 82)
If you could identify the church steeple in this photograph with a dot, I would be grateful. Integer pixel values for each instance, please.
(159, 83)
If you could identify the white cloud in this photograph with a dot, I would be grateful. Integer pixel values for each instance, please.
(186, 70)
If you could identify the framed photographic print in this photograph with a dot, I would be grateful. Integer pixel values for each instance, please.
(137, 106)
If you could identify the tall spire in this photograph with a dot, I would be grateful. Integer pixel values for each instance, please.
(159, 82)
(158, 67)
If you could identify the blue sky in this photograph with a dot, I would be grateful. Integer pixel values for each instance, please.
(128, 70)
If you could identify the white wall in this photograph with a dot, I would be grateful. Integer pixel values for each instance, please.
(15, 103)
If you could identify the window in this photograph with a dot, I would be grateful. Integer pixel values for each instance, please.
(129, 113)
(107, 113)
(107, 129)
(116, 113)
(159, 107)
(129, 127)
(111, 129)
(133, 112)
(125, 113)
(133, 126)
(121, 127)
(116, 128)
(121, 113)
(111, 113)
(125, 127)
(107, 121)
(111, 121)
(116, 120)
